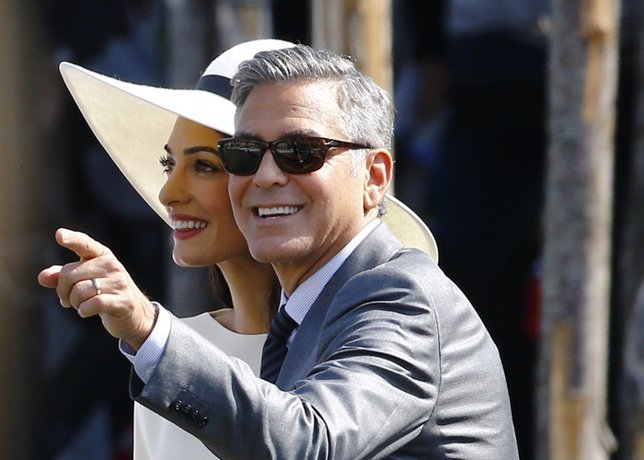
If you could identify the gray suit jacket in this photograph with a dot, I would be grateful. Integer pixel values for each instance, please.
(391, 361)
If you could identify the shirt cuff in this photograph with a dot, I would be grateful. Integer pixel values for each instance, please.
(146, 359)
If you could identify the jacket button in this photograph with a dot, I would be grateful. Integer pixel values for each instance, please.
(203, 421)
(175, 406)
(185, 410)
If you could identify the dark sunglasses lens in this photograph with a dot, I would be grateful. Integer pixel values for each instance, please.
(300, 156)
(241, 157)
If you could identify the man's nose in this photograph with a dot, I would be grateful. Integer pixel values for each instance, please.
(269, 173)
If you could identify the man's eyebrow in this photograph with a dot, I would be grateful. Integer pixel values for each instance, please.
(297, 132)
(303, 132)
(247, 135)
(193, 150)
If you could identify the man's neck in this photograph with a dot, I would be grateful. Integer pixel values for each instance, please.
(292, 274)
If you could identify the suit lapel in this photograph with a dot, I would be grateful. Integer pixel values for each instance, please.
(378, 247)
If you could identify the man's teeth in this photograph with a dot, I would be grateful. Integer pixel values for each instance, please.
(188, 225)
(277, 211)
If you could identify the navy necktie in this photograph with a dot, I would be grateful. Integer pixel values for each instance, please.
(274, 350)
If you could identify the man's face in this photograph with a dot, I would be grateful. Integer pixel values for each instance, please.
(297, 222)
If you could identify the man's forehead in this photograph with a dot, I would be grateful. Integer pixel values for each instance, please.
(273, 110)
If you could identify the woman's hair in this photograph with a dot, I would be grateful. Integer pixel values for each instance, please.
(366, 109)
(222, 292)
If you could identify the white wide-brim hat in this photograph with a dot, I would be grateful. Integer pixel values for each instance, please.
(133, 122)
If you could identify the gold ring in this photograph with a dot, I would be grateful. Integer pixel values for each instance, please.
(97, 286)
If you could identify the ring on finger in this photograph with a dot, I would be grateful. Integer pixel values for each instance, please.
(97, 286)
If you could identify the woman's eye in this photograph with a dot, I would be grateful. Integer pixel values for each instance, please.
(167, 163)
(206, 167)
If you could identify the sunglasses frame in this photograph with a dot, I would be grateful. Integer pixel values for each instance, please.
(310, 163)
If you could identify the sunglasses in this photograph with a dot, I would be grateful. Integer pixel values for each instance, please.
(293, 155)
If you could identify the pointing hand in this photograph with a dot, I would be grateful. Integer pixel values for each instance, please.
(98, 284)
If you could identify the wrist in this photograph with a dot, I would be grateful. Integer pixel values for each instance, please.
(146, 326)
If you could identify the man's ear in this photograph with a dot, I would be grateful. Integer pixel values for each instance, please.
(380, 166)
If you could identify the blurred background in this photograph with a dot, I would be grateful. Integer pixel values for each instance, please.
(518, 141)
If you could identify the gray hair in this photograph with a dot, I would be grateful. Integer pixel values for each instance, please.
(366, 110)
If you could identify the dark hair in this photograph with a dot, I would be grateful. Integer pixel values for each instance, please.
(222, 292)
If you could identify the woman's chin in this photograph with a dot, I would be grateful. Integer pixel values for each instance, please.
(182, 260)
(193, 260)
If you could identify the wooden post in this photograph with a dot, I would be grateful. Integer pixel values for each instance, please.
(578, 216)
(361, 29)
(26, 176)
(631, 280)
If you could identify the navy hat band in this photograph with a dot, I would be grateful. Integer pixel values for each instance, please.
(216, 84)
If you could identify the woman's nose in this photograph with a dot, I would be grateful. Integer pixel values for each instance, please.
(173, 190)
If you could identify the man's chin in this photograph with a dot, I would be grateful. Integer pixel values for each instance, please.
(267, 256)
(278, 251)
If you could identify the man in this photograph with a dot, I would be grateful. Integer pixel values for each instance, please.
(388, 358)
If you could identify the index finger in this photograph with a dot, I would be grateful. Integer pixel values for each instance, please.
(83, 245)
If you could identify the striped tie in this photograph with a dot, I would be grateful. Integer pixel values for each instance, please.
(275, 348)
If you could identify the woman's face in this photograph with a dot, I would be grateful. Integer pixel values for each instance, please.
(196, 197)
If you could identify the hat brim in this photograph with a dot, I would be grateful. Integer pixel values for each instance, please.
(410, 229)
(132, 122)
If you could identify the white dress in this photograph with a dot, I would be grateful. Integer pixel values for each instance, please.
(155, 438)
